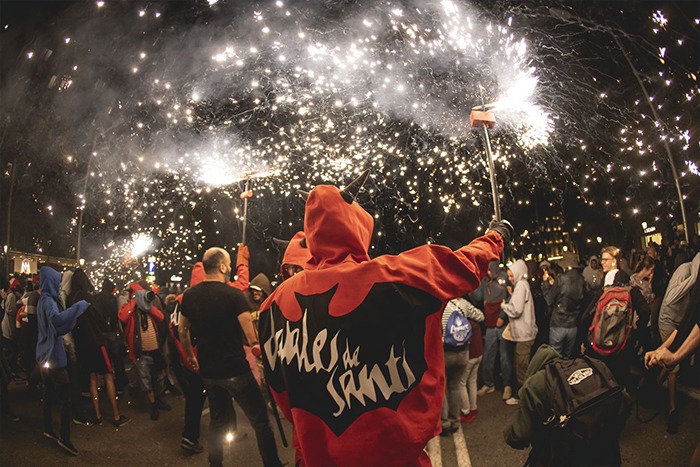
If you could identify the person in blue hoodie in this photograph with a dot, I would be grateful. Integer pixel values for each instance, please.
(53, 323)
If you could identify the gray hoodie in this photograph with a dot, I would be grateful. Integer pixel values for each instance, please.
(493, 287)
(593, 277)
(521, 307)
(675, 303)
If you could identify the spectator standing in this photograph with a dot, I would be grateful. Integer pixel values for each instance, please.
(494, 290)
(107, 309)
(139, 316)
(10, 334)
(468, 382)
(644, 277)
(90, 347)
(456, 360)
(54, 322)
(564, 294)
(673, 310)
(219, 316)
(529, 425)
(593, 275)
(187, 375)
(521, 313)
(621, 361)
(29, 337)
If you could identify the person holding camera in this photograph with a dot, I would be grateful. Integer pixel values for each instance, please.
(139, 317)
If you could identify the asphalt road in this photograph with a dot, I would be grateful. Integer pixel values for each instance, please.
(143, 442)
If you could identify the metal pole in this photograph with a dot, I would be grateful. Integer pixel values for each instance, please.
(9, 217)
(669, 154)
(82, 209)
(492, 174)
(245, 209)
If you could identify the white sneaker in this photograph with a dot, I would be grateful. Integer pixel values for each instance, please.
(485, 390)
(513, 401)
(507, 393)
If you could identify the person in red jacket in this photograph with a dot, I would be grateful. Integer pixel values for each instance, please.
(139, 317)
(352, 346)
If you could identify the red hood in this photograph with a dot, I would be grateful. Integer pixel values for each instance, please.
(133, 287)
(296, 253)
(197, 277)
(198, 274)
(335, 230)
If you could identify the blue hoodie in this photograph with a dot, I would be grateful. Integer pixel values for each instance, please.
(52, 322)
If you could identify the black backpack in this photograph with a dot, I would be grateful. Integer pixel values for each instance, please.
(587, 411)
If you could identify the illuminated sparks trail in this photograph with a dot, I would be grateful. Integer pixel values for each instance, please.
(181, 104)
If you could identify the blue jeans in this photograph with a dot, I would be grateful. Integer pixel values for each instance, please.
(455, 366)
(494, 344)
(563, 340)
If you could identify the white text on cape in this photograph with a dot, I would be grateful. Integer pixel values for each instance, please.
(348, 378)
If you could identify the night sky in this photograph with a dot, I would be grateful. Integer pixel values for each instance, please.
(168, 106)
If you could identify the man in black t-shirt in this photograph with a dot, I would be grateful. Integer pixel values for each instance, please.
(217, 314)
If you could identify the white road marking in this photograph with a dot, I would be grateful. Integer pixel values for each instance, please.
(463, 459)
(434, 451)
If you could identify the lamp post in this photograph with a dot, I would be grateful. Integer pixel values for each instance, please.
(9, 216)
(482, 118)
(82, 208)
(566, 16)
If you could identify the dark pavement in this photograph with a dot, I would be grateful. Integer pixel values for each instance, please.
(143, 442)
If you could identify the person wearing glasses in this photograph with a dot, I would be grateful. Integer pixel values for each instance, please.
(619, 362)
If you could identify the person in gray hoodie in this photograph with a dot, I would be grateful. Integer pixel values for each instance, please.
(53, 323)
(593, 274)
(521, 313)
(673, 309)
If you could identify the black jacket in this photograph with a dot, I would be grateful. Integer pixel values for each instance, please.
(564, 297)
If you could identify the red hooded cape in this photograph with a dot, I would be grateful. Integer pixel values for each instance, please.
(126, 316)
(296, 253)
(352, 346)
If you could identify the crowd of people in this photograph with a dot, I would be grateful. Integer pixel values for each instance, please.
(337, 310)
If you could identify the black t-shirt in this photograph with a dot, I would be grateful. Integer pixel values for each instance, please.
(213, 309)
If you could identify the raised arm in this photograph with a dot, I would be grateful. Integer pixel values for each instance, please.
(245, 319)
(64, 321)
(242, 271)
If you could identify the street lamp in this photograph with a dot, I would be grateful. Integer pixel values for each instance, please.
(9, 215)
(568, 16)
(485, 119)
(82, 208)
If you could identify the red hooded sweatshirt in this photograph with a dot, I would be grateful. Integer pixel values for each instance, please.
(126, 316)
(352, 346)
(297, 253)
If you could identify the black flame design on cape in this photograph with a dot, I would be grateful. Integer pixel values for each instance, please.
(352, 346)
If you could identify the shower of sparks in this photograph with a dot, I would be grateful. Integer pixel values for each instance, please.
(291, 97)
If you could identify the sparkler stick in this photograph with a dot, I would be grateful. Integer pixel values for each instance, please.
(484, 119)
(244, 196)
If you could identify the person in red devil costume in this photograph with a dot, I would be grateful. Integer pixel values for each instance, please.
(352, 346)
(296, 255)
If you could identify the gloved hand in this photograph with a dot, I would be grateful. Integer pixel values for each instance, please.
(503, 228)
(243, 255)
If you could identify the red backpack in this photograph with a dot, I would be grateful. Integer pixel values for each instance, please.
(612, 321)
